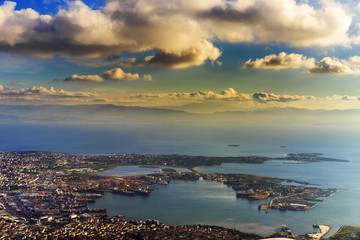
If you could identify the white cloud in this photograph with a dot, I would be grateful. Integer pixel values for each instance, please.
(147, 77)
(84, 78)
(228, 99)
(271, 97)
(194, 56)
(113, 74)
(297, 24)
(333, 65)
(281, 61)
(355, 60)
(119, 74)
(180, 32)
(326, 65)
(34, 95)
(43, 91)
(228, 94)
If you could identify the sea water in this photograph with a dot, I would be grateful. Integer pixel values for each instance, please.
(209, 202)
(126, 171)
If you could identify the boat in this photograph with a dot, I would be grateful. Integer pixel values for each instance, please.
(258, 196)
(162, 182)
(316, 225)
(142, 192)
(124, 192)
(243, 194)
(233, 145)
(96, 210)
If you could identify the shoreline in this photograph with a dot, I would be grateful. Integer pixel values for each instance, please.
(339, 230)
(76, 172)
(324, 229)
(324, 232)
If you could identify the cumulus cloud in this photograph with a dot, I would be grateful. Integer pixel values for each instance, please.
(326, 65)
(333, 65)
(349, 98)
(228, 99)
(46, 95)
(355, 60)
(271, 97)
(43, 91)
(113, 74)
(297, 24)
(281, 61)
(147, 77)
(194, 56)
(79, 31)
(180, 32)
(84, 78)
(228, 94)
(119, 74)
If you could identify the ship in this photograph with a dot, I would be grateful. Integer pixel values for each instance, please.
(316, 225)
(142, 192)
(162, 182)
(96, 210)
(243, 194)
(124, 192)
(258, 196)
(233, 145)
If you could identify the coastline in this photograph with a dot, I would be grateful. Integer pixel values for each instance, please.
(339, 230)
(77, 173)
(324, 229)
(220, 178)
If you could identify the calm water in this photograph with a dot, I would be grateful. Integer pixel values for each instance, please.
(339, 209)
(207, 140)
(214, 203)
(136, 170)
(210, 202)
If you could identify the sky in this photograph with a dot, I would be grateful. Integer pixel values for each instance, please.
(198, 56)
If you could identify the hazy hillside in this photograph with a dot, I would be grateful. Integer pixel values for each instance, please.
(117, 114)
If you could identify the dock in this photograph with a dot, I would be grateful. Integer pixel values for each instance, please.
(323, 231)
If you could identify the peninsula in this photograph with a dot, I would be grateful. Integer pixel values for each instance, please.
(50, 188)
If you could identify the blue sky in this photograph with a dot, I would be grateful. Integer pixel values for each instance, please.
(51, 7)
(170, 54)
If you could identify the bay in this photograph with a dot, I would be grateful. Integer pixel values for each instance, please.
(211, 202)
(125, 171)
(208, 202)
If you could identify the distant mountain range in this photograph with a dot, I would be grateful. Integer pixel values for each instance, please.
(107, 113)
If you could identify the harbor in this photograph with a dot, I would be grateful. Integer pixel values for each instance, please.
(71, 189)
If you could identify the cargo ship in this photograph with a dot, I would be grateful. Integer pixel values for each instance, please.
(243, 194)
(258, 196)
(96, 210)
(142, 192)
(124, 192)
